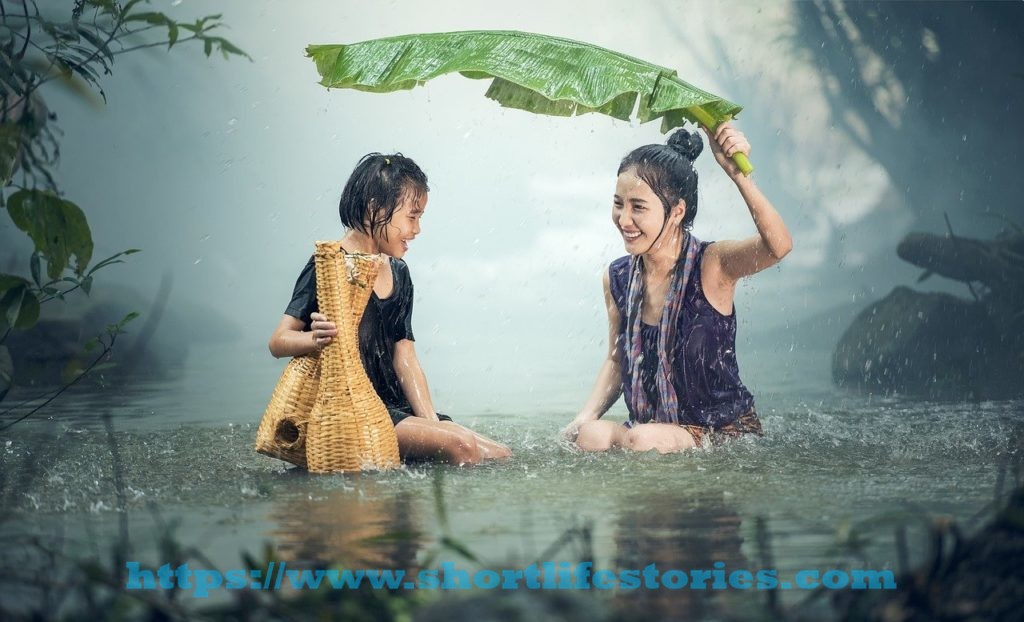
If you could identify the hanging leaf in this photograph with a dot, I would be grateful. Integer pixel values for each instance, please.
(151, 18)
(127, 318)
(34, 266)
(537, 73)
(19, 307)
(97, 42)
(72, 370)
(10, 147)
(227, 48)
(172, 34)
(58, 229)
(6, 371)
(113, 259)
(11, 77)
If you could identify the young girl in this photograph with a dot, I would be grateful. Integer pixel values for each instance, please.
(671, 322)
(381, 208)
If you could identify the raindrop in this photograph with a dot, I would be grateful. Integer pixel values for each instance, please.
(232, 121)
(197, 261)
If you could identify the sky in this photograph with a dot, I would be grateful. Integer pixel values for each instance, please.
(224, 173)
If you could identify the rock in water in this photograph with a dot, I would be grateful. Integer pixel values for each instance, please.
(937, 345)
(926, 344)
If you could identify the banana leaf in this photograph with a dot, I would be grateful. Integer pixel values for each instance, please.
(536, 73)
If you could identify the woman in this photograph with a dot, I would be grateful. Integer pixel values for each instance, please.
(671, 321)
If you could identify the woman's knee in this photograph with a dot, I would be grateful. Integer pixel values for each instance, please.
(594, 436)
(637, 439)
(665, 440)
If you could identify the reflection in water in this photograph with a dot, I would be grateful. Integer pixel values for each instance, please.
(362, 526)
(676, 530)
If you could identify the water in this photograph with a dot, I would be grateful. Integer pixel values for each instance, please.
(833, 477)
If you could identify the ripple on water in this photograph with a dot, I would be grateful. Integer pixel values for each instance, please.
(823, 471)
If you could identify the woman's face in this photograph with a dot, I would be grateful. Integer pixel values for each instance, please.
(404, 225)
(639, 215)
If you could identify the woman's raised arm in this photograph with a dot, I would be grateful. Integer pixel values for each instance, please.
(739, 258)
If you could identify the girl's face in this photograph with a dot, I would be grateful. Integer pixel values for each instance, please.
(404, 225)
(638, 214)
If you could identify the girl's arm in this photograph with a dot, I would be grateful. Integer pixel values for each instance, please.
(413, 380)
(608, 386)
(289, 338)
(740, 258)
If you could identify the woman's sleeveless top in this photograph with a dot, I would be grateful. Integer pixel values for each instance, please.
(704, 368)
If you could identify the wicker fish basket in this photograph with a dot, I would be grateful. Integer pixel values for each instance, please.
(324, 414)
(282, 431)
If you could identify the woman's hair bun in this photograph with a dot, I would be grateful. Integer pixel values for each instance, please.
(687, 144)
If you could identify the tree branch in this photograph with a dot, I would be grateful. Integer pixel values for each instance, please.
(28, 35)
(106, 350)
(154, 44)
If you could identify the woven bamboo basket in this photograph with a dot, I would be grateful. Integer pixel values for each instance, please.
(349, 428)
(282, 431)
(353, 429)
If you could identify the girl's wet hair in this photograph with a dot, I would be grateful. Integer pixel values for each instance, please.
(375, 188)
(668, 170)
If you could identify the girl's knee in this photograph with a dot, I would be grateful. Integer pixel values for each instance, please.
(463, 449)
(495, 451)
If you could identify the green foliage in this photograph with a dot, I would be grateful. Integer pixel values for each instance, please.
(200, 30)
(74, 50)
(58, 229)
(6, 371)
(10, 143)
(19, 307)
(73, 371)
(537, 73)
(50, 290)
(35, 49)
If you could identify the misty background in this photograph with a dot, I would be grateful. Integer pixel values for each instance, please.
(867, 122)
